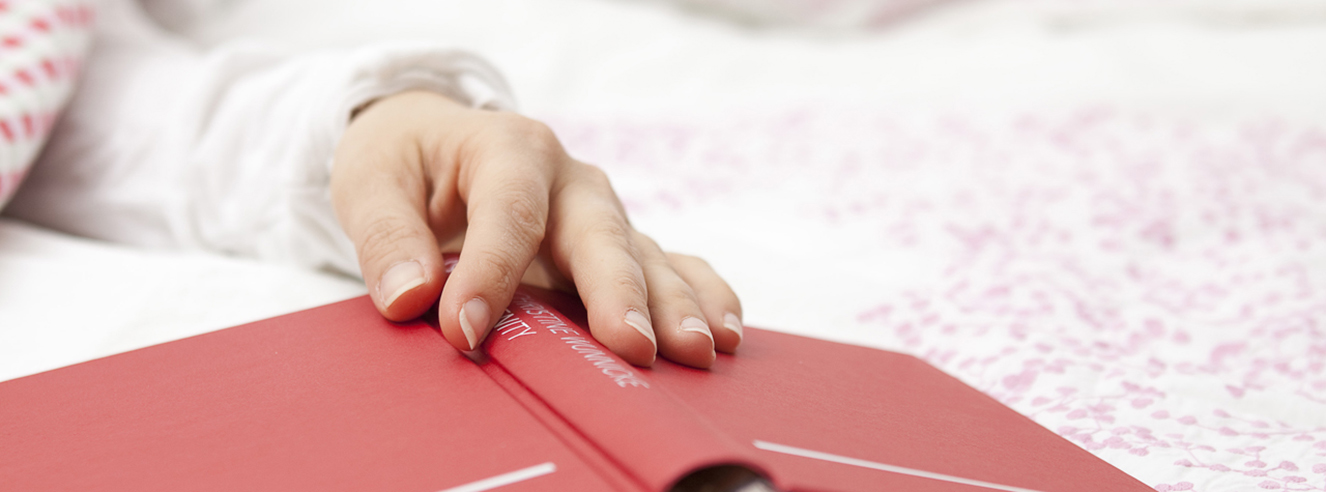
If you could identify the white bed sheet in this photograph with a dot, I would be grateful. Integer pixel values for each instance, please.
(1110, 216)
(65, 299)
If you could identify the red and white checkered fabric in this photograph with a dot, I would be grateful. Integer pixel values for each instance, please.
(42, 45)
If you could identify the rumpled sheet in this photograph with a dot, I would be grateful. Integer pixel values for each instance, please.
(1110, 216)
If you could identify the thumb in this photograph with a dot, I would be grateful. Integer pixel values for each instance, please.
(381, 204)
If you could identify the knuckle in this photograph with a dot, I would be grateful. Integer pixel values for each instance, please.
(594, 175)
(527, 216)
(500, 267)
(590, 178)
(631, 285)
(645, 242)
(519, 130)
(676, 293)
(609, 229)
(688, 261)
(377, 241)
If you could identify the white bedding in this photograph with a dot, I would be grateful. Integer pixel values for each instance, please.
(1110, 216)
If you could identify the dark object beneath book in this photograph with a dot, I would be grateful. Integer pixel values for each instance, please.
(724, 478)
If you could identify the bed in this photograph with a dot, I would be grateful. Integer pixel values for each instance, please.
(1110, 216)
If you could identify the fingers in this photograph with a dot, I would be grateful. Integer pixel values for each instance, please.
(380, 204)
(414, 167)
(717, 301)
(638, 304)
(506, 192)
(591, 245)
(681, 326)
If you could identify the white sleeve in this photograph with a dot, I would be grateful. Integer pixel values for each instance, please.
(227, 150)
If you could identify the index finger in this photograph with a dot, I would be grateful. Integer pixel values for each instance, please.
(506, 189)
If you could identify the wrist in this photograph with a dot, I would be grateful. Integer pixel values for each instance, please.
(409, 98)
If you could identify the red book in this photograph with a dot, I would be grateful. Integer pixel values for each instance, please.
(336, 398)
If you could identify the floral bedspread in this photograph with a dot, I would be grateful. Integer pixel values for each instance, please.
(1149, 286)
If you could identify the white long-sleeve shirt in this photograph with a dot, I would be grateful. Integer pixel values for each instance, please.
(229, 149)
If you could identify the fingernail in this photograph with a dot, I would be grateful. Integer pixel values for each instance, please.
(473, 317)
(696, 325)
(641, 324)
(732, 322)
(399, 279)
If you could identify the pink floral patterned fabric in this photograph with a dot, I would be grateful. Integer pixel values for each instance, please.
(1150, 287)
(42, 44)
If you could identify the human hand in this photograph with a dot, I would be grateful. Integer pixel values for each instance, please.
(416, 174)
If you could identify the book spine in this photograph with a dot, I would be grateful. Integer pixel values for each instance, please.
(635, 423)
(590, 454)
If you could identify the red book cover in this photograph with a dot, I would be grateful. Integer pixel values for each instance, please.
(336, 398)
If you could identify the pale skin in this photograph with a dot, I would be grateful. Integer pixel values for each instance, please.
(417, 174)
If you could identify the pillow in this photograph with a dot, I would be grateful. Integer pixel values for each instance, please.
(42, 45)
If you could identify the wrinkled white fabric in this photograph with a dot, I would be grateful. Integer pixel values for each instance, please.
(823, 14)
(227, 149)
